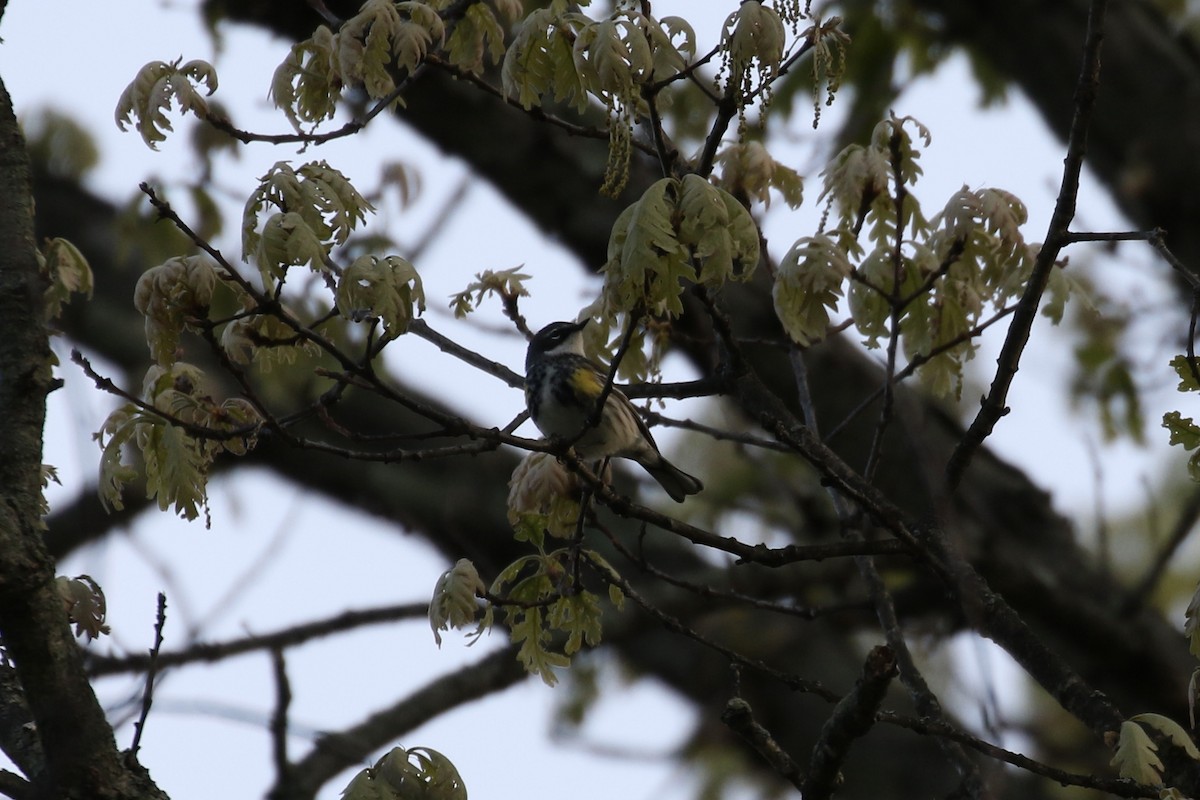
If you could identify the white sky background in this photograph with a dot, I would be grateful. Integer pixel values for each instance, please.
(206, 737)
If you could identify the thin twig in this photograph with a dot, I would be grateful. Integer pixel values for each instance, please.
(349, 129)
(670, 622)
(288, 637)
(994, 405)
(139, 727)
(279, 723)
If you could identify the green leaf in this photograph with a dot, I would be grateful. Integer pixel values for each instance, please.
(578, 615)
(1187, 372)
(419, 773)
(173, 297)
(808, 285)
(1136, 757)
(155, 88)
(67, 272)
(541, 60)
(1172, 730)
(317, 208)
(388, 288)
(528, 630)
(477, 35)
(455, 601)
(1183, 431)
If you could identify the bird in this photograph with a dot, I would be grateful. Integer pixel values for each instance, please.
(562, 387)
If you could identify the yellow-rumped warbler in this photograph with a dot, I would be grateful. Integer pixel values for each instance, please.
(561, 389)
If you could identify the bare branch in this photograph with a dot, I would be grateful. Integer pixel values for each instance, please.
(852, 717)
(288, 637)
(139, 726)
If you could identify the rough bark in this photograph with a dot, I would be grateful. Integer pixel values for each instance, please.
(77, 755)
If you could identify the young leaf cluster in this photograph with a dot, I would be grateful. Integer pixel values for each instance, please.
(680, 231)
(752, 41)
(1136, 755)
(1184, 431)
(84, 602)
(569, 56)
(931, 282)
(749, 171)
(157, 85)
(175, 461)
(312, 208)
(509, 284)
(543, 497)
(455, 602)
(66, 271)
(829, 45)
(418, 773)
(387, 288)
(542, 603)
(173, 297)
(384, 37)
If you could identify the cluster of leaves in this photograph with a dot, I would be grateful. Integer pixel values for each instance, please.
(384, 40)
(508, 284)
(144, 102)
(67, 273)
(546, 610)
(1184, 431)
(753, 41)
(455, 602)
(930, 282)
(311, 208)
(543, 602)
(418, 772)
(1136, 754)
(569, 56)
(749, 171)
(680, 231)
(178, 429)
(84, 602)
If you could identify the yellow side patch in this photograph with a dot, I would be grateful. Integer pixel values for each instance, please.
(586, 383)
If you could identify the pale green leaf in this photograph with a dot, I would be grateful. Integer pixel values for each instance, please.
(307, 86)
(455, 601)
(478, 37)
(1172, 730)
(67, 272)
(1187, 373)
(808, 285)
(173, 297)
(387, 288)
(156, 88)
(1136, 757)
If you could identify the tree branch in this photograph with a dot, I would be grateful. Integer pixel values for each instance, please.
(336, 751)
(994, 404)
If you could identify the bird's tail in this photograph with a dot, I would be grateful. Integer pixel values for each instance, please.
(673, 480)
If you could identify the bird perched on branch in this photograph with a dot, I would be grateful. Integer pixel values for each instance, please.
(562, 389)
